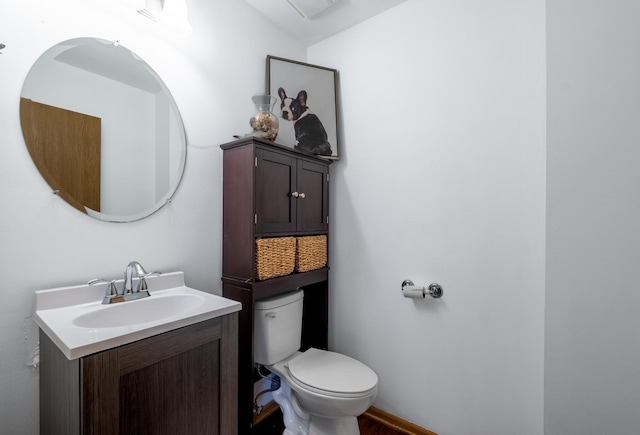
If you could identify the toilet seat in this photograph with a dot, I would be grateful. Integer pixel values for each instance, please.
(332, 374)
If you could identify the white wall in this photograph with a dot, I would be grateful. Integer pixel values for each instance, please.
(442, 179)
(592, 357)
(44, 242)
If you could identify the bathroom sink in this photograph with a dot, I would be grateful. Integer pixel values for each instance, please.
(139, 311)
(79, 324)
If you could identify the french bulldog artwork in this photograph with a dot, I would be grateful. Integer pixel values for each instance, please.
(311, 135)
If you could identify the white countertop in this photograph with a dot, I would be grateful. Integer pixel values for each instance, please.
(55, 311)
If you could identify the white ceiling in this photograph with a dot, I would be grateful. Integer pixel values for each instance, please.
(336, 18)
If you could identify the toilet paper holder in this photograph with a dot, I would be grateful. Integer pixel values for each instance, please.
(410, 290)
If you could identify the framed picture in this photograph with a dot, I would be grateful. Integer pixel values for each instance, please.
(306, 106)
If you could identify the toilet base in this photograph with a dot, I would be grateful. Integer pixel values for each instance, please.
(300, 422)
(332, 426)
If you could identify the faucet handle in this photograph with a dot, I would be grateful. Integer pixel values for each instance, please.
(111, 288)
(142, 285)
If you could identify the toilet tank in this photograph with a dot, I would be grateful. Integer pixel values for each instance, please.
(278, 327)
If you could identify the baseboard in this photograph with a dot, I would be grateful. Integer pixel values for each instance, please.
(395, 423)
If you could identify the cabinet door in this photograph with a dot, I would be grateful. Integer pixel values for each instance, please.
(275, 182)
(182, 382)
(312, 212)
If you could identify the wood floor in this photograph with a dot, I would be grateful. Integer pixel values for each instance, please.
(373, 422)
(378, 422)
(369, 426)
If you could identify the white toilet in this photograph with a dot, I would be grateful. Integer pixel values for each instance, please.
(321, 392)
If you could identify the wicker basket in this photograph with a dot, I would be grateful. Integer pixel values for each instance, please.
(275, 257)
(311, 253)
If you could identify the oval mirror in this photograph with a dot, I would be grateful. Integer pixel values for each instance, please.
(103, 129)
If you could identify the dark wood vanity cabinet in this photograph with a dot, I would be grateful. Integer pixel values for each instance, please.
(179, 382)
(271, 191)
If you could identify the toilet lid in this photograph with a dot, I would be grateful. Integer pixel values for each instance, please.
(332, 373)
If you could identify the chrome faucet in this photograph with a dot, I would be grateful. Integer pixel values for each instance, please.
(127, 293)
(127, 286)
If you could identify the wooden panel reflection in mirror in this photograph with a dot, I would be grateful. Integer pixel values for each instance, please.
(65, 147)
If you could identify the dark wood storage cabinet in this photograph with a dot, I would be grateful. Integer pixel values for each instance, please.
(291, 194)
(271, 191)
(182, 382)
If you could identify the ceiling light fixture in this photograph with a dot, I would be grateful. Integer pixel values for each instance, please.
(171, 13)
(308, 8)
(174, 16)
(136, 5)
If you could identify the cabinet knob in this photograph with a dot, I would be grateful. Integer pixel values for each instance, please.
(302, 195)
(295, 194)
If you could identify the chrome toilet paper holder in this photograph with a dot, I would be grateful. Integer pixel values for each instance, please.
(410, 290)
